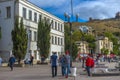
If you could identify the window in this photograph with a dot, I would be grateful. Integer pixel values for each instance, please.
(58, 27)
(52, 24)
(30, 15)
(58, 40)
(61, 41)
(52, 39)
(35, 36)
(30, 35)
(40, 16)
(55, 40)
(61, 28)
(45, 18)
(35, 17)
(48, 20)
(8, 12)
(55, 25)
(24, 13)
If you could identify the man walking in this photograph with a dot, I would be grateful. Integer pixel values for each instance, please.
(11, 62)
(54, 64)
(63, 63)
(67, 65)
(89, 64)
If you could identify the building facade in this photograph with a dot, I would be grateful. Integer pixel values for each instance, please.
(103, 42)
(86, 29)
(82, 47)
(31, 14)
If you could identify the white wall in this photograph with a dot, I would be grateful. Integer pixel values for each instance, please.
(33, 25)
(7, 25)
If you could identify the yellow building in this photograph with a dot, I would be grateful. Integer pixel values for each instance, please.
(82, 47)
(103, 42)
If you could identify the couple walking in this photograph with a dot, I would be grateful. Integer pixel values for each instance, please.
(65, 64)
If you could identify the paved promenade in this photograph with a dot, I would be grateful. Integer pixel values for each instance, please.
(43, 72)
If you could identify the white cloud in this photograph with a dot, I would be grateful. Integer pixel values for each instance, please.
(98, 9)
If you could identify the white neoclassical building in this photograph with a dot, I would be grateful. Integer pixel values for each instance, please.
(31, 14)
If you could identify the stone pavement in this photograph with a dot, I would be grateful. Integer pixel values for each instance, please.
(43, 72)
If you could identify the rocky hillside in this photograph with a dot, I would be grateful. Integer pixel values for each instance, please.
(100, 26)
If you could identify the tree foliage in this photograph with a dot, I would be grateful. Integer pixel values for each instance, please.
(114, 39)
(68, 42)
(76, 35)
(91, 40)
(19, 38)
(111, 37)
(74, 51)
(104, 51)
(43, 42)
(67, 37)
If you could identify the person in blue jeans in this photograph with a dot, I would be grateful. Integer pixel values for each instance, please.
(54, 64)
(67, 65)
(63, 63)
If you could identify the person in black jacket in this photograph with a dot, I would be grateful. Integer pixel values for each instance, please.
(11, 62)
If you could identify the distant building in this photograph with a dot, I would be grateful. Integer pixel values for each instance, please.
(117, 16)
(31, 15)
(86, 29)
(82, 47)
(103, 42)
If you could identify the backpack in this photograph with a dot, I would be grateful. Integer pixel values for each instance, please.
(64, 60)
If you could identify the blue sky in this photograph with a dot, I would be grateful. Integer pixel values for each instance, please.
(97, 9)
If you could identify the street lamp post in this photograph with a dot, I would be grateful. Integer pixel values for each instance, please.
(67, 18)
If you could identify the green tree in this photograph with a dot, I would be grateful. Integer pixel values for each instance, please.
(67, 37)
(115, 42)
(111, 37)
(91, 40)
(43, 42)
(104, 51)
(77, 35)
(19, 38)
(74, 51)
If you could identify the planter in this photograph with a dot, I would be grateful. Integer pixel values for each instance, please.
(19, 65)
(73, 71)
(45, 63)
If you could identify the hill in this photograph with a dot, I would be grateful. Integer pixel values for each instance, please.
(100, 26)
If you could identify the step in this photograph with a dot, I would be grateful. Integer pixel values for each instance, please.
(106, 74)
